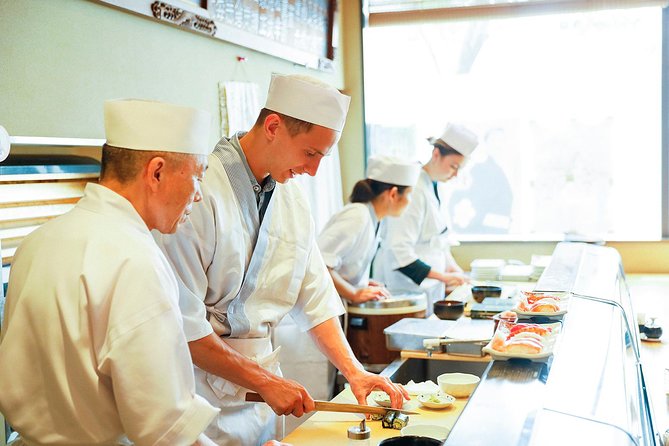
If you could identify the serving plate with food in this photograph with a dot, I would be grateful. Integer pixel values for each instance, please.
(382, 399)
(438, 400)
(523, 340)
(542, 303)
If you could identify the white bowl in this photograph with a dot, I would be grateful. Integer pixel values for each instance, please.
(426, 430)
(460, 385)
(443, 400)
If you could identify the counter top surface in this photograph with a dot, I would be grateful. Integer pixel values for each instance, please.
(330, 428)
(649, 295)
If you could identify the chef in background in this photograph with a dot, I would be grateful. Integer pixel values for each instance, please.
(92, 347)
(350, 238)
(248, 257)
(415, 246)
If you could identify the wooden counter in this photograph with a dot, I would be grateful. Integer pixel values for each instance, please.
(326, 428)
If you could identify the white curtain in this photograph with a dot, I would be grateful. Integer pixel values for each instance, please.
(324, 190)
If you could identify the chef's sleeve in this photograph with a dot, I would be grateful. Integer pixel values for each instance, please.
(190, 252)
(340, 236)
(416, 271)
(146, 358)
(317, 299)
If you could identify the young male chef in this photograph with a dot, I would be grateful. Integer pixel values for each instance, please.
(92, 348)
(415, 245)
(248, 257)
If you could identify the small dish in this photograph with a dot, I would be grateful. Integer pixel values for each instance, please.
(426, 430)
(381, 398)
(437, 400)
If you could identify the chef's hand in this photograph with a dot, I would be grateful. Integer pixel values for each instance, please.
(453, 279)
(370, 293)
(364, 382)
(286, 396)
(454, 269)
(276, 443)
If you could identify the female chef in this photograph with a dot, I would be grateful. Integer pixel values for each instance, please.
(414, 246)
(349, 240)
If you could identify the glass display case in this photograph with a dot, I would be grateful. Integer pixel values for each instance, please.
(592, 390)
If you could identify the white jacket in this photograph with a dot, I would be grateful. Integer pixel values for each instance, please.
(349, 241)
(420, 233)
(239, 279)
(91, 330)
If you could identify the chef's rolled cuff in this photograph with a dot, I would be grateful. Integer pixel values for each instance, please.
(416, 271)
(194, 420)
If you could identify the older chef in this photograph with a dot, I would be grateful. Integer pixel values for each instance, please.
(92, 345)
(415, 245)
(349, 240)
(249, 257)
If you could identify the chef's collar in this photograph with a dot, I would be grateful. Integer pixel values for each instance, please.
(268, 184)
(372, 213)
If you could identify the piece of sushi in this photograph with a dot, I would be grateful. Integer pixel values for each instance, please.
(388, 419)
(400, 420)
(376, 416)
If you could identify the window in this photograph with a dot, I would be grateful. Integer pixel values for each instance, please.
(567, 108)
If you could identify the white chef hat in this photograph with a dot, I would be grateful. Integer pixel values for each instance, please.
(457, 137)
(393, 170)
(308, 99)
(157, 126)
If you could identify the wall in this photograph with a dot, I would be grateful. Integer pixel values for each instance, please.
(59, 60)
(637, 257)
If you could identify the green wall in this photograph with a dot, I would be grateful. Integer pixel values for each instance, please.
(59, 60)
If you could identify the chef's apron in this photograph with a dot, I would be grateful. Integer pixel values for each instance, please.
(239, 422)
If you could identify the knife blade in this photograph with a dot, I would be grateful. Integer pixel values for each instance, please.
(328, 406)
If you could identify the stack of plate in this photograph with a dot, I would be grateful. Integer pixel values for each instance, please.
(539, 264)
(486, 269)
(516, 273)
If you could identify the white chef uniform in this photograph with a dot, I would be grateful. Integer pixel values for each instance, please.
(349, 241)
(421, 232)
(92, 345)
(241, 277)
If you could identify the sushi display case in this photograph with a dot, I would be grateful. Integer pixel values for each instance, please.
(591, 390)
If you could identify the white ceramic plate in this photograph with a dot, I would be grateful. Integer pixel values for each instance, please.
(445, 400)
(548, 343)
(381, 398)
